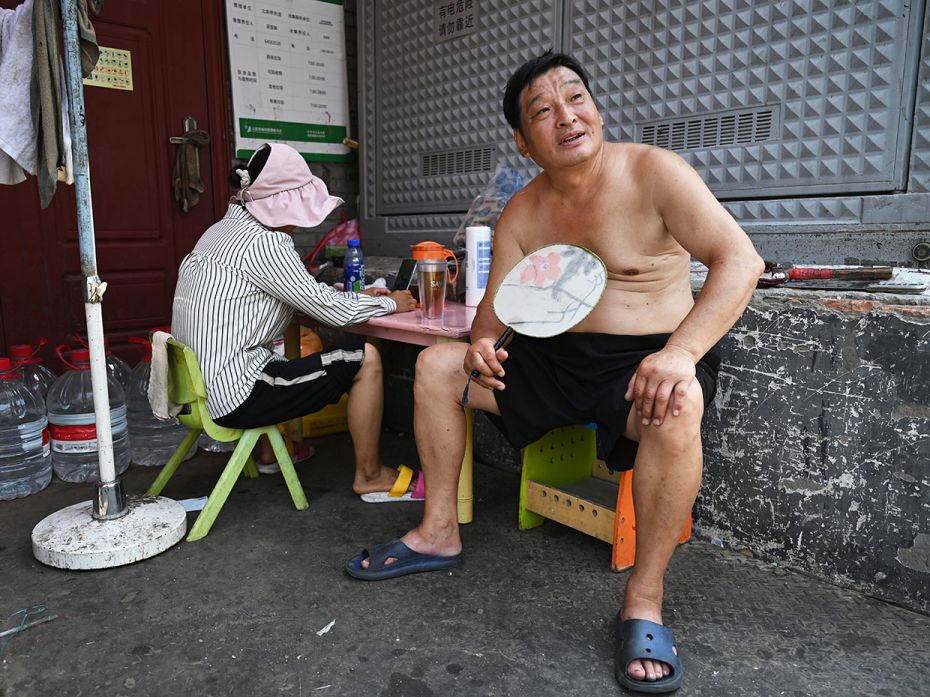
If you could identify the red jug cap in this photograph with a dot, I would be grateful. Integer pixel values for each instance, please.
(20, 351)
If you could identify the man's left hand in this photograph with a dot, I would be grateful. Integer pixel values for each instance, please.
(661, 382)
(375, 292)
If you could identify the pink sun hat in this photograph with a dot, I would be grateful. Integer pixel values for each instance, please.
(287, 193)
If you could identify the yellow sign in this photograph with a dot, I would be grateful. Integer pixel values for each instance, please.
(113, 70)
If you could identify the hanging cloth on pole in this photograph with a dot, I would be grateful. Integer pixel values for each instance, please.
(48, 95)
(17, 131)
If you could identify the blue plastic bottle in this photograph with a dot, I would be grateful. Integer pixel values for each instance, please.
(354, 267)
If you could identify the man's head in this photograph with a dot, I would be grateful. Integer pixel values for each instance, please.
(555, 120)
(528, 72)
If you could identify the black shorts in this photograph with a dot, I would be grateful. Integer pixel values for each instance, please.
(580, 378)
(290, 389)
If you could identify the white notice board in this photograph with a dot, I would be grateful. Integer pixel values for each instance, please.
(288, 68)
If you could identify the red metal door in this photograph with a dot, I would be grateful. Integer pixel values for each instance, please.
(177, 52)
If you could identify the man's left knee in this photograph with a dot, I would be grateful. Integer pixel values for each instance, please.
(687, 425)
(693, 403)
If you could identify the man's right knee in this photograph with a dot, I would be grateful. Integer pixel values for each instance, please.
(440, 375)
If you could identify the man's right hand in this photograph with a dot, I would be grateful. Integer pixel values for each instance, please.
(404, 300)
(482, 357)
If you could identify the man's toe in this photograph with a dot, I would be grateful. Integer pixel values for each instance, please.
(648, 671)
(636, 670)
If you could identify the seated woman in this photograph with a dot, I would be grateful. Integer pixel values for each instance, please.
(237, 291)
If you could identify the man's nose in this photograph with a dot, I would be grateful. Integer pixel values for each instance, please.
(565, 115)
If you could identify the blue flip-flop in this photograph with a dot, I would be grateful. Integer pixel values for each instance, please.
(646, 640)
(406, 561)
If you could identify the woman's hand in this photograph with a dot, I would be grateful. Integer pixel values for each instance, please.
(402, 298)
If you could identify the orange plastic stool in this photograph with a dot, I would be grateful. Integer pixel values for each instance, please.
(624, 548)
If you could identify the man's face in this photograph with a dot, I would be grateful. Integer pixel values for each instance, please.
(560, 123)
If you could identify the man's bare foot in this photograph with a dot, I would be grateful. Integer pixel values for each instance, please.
(443, 542)
(646, 671)
(383, 480)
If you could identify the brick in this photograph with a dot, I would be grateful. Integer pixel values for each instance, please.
(908, 311)
(853, 306)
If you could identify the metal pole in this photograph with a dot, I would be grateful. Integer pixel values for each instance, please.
(109, 501)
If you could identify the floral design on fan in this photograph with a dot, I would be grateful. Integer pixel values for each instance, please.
(544, 268)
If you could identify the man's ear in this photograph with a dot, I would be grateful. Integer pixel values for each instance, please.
(521, 144)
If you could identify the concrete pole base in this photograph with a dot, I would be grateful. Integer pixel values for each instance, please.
(73, 539)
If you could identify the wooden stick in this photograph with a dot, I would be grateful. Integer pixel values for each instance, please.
(862, 273)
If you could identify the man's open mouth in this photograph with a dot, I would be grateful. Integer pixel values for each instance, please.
(571, 138)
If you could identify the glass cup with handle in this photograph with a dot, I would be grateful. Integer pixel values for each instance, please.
(432, 281)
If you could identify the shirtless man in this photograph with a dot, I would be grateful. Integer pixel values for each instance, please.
(641, 364)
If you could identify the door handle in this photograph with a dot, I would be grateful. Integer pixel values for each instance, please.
(186, 176)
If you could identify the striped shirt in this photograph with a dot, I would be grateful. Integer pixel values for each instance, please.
(237, 291)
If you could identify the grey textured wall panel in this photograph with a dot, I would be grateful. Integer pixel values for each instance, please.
(367, 106)
(841, 209)
(920, 149)
(835, 75)
(796, 113)
(440, 100)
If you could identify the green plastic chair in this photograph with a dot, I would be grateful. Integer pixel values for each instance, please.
(186, 387)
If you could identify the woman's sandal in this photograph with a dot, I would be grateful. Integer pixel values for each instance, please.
(399, 492)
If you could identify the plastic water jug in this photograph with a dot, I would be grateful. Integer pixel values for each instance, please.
(434, 250)
(151, 440)
(26, 362)
(25, 465)
(116, 366)
(73, 424)
(207, 443)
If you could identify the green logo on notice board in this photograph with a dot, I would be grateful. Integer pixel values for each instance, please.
(285, 130)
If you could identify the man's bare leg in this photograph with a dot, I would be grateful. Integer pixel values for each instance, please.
(439, 426)
(667, 477)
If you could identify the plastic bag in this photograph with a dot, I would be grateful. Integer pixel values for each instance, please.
(337, 236)
(340, 234)
(486, 208)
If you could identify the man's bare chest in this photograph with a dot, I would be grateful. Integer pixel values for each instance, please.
(627, 243)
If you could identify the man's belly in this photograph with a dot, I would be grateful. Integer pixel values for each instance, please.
(636, 313)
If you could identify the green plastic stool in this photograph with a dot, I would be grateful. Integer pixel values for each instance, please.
(186, 387)
(562, 456)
